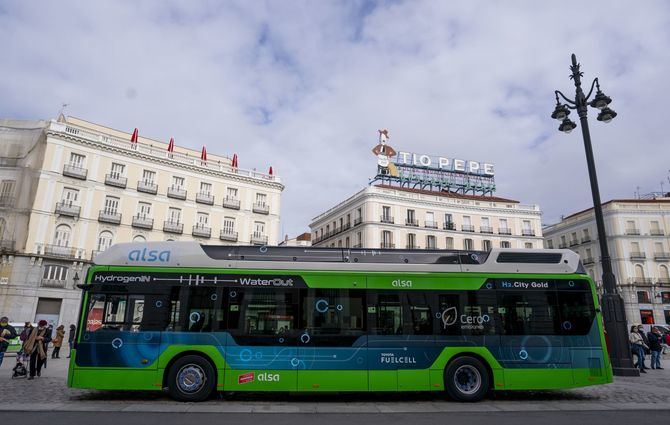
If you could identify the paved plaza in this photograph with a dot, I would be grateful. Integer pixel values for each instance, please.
(649, 391)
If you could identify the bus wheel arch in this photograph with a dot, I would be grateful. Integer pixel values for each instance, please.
(197, 370)
(473, 373)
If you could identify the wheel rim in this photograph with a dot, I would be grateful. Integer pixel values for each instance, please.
(191, 378)
(467, 379)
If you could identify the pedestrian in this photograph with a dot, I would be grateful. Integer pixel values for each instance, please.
(643, 334)
(655, 339)
(25, 332)
(70, 339)
(7, 332)
(36, 347)
(58, 341)
(637, 346)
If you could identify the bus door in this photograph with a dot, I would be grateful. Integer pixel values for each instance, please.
(261, 351)
(401, 344)
(332, 345)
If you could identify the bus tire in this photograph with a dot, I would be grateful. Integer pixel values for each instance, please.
(191, 378)
(466, 379)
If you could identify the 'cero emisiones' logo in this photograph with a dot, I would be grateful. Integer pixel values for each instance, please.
(150, 256)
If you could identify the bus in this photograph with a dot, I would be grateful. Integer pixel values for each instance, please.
(194, 319)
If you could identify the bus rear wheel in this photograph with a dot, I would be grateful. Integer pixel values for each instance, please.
(466, 379)
(191, 378)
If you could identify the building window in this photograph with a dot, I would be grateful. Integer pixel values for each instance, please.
(111, 205)
(54, 272)
(647, 317)
(486, 245)
(339, 243)
(202, 219)
(359, 214)
(387, 239)
(663, 274)
(105, 240)
(259, 228)
(430, 242)
(205, 188)
(3, 226)
(261, 198)
(503, 224)
(449, 243)
(177, 182)
(505, 244)
(7, 189)
(348, 220)
(550, 244)
(346, 242)
(229, 225)
(144, 210)
(231, 193)
(528, 245)
(77, 160)
(359, 239)
(411, 241)
(69, 196)
(665, 297)
(62, 235)
(386, 213)
(117, 170)
(174, 215)
(643, 297)
(468, 244)
(148, 177)
(586, 237)
(139, 238)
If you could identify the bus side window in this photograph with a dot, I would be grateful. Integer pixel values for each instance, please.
(333, 317)
(94, 312)
(576, 311)
(528, 312)
(201, 312)
(388, 314)
(115, 312)
(420, 313)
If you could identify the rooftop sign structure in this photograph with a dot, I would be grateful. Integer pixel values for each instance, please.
(429, 172)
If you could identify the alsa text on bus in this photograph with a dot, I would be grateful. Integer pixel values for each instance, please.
(150, 256)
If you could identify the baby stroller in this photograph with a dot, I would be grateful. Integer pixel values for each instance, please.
(20, 371)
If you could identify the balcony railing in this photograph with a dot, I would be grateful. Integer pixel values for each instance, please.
(176, 192)
(204, 198)
(260, 208)
(173, 227)
(387, 245)
(228, 235)
(232, 203)
(449, 226)
(574, 242)
(358, 245)
(562, 245)
(201, 231)
(147, 186)
(467, 228)
(486, 229)
(656, 232)
(7, 245)
(116, 180)
(53, 283)
(68, 209)
(633, 232)
(358, 221)
(640, 280)
(113, 217)
(586, 239)
(588, 260)
(258, 239)
(75, 171)
(663, 280)
(504, 231)
(63, 251)
(637, 255)
(386, 219)
(430, 225)
(527, 232)
(662, 256)
(143, 222)
(412, 246)
(411, 222)
(7, 201)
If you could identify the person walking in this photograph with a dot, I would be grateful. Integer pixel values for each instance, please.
(58, 341)
(655, 339)
(7, 332)
(36, 347)
(70, 339)
(637, 346)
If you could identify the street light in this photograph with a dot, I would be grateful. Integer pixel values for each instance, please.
(613, 312)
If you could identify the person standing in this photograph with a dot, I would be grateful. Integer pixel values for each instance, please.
(70, 339)
(655, 339)
(58, 341)
(7, 332)
(36, 347)
(637, 346)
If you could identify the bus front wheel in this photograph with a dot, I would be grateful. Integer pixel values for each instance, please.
(466, 379)
(191, 378)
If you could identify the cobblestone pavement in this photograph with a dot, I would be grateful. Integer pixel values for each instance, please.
(649, 391)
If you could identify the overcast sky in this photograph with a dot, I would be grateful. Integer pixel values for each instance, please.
(304, 85)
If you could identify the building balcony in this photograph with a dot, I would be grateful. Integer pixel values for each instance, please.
(656, 232)
(633, 232)
(586, 239)
(258, 239)
(260, 208)
(663, 281)
(358, 221)
(147, 186)
(7, 201)
(411, 222)
(562, 245)
(662, 256)
(640, 280)
(528, 232)
(142, 222)
(116, 180)
(75, 171)
(504, 231)
(486, 229)
(638, 256)
(176, 192)
(358, 245)
(228, 235)
(53, 283)
(467, 228)
(412, 246)
(7, 245)
(112, 217)
(173, 227)
(386, 245)
(430, 225)
(588, 260)
(204, 198)
(201, 231)
(68, 209)
(449, 226)
(386, 219)
(574, 242)
(231, 203)
(63, 251)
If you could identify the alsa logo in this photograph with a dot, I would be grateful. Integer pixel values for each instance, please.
(246, 378)
(149, 256)
(401, 283)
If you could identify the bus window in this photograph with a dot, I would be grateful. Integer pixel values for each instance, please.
(388, 309)
(95, 311)
(467, 313)
(576, 312)
(333, 317)
(115, 312)
(262, 316)
(201, 312)
(135, 311)
(528, 313)
(419, 313)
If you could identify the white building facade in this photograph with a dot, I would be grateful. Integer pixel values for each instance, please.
(402, 218)
(639, 246)
(82, 187)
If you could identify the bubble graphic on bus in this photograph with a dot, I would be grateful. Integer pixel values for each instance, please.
(523, 354)
(567, 325)
(263, 249)
(295, 362)
(321, 305)
(213, 297)
(304, 338)
(194, 317)
(117, 343)
(159, 304)
(340, 307)
(233, 294)
(246, 355)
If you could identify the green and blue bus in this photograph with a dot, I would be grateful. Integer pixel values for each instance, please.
(195, 319)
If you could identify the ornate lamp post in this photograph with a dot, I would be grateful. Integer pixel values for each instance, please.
(613, 312)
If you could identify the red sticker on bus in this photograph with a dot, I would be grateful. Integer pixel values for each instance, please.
(245, 378)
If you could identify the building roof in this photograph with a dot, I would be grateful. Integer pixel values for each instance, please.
(307, 236)
(449, 194)
(621, 201)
